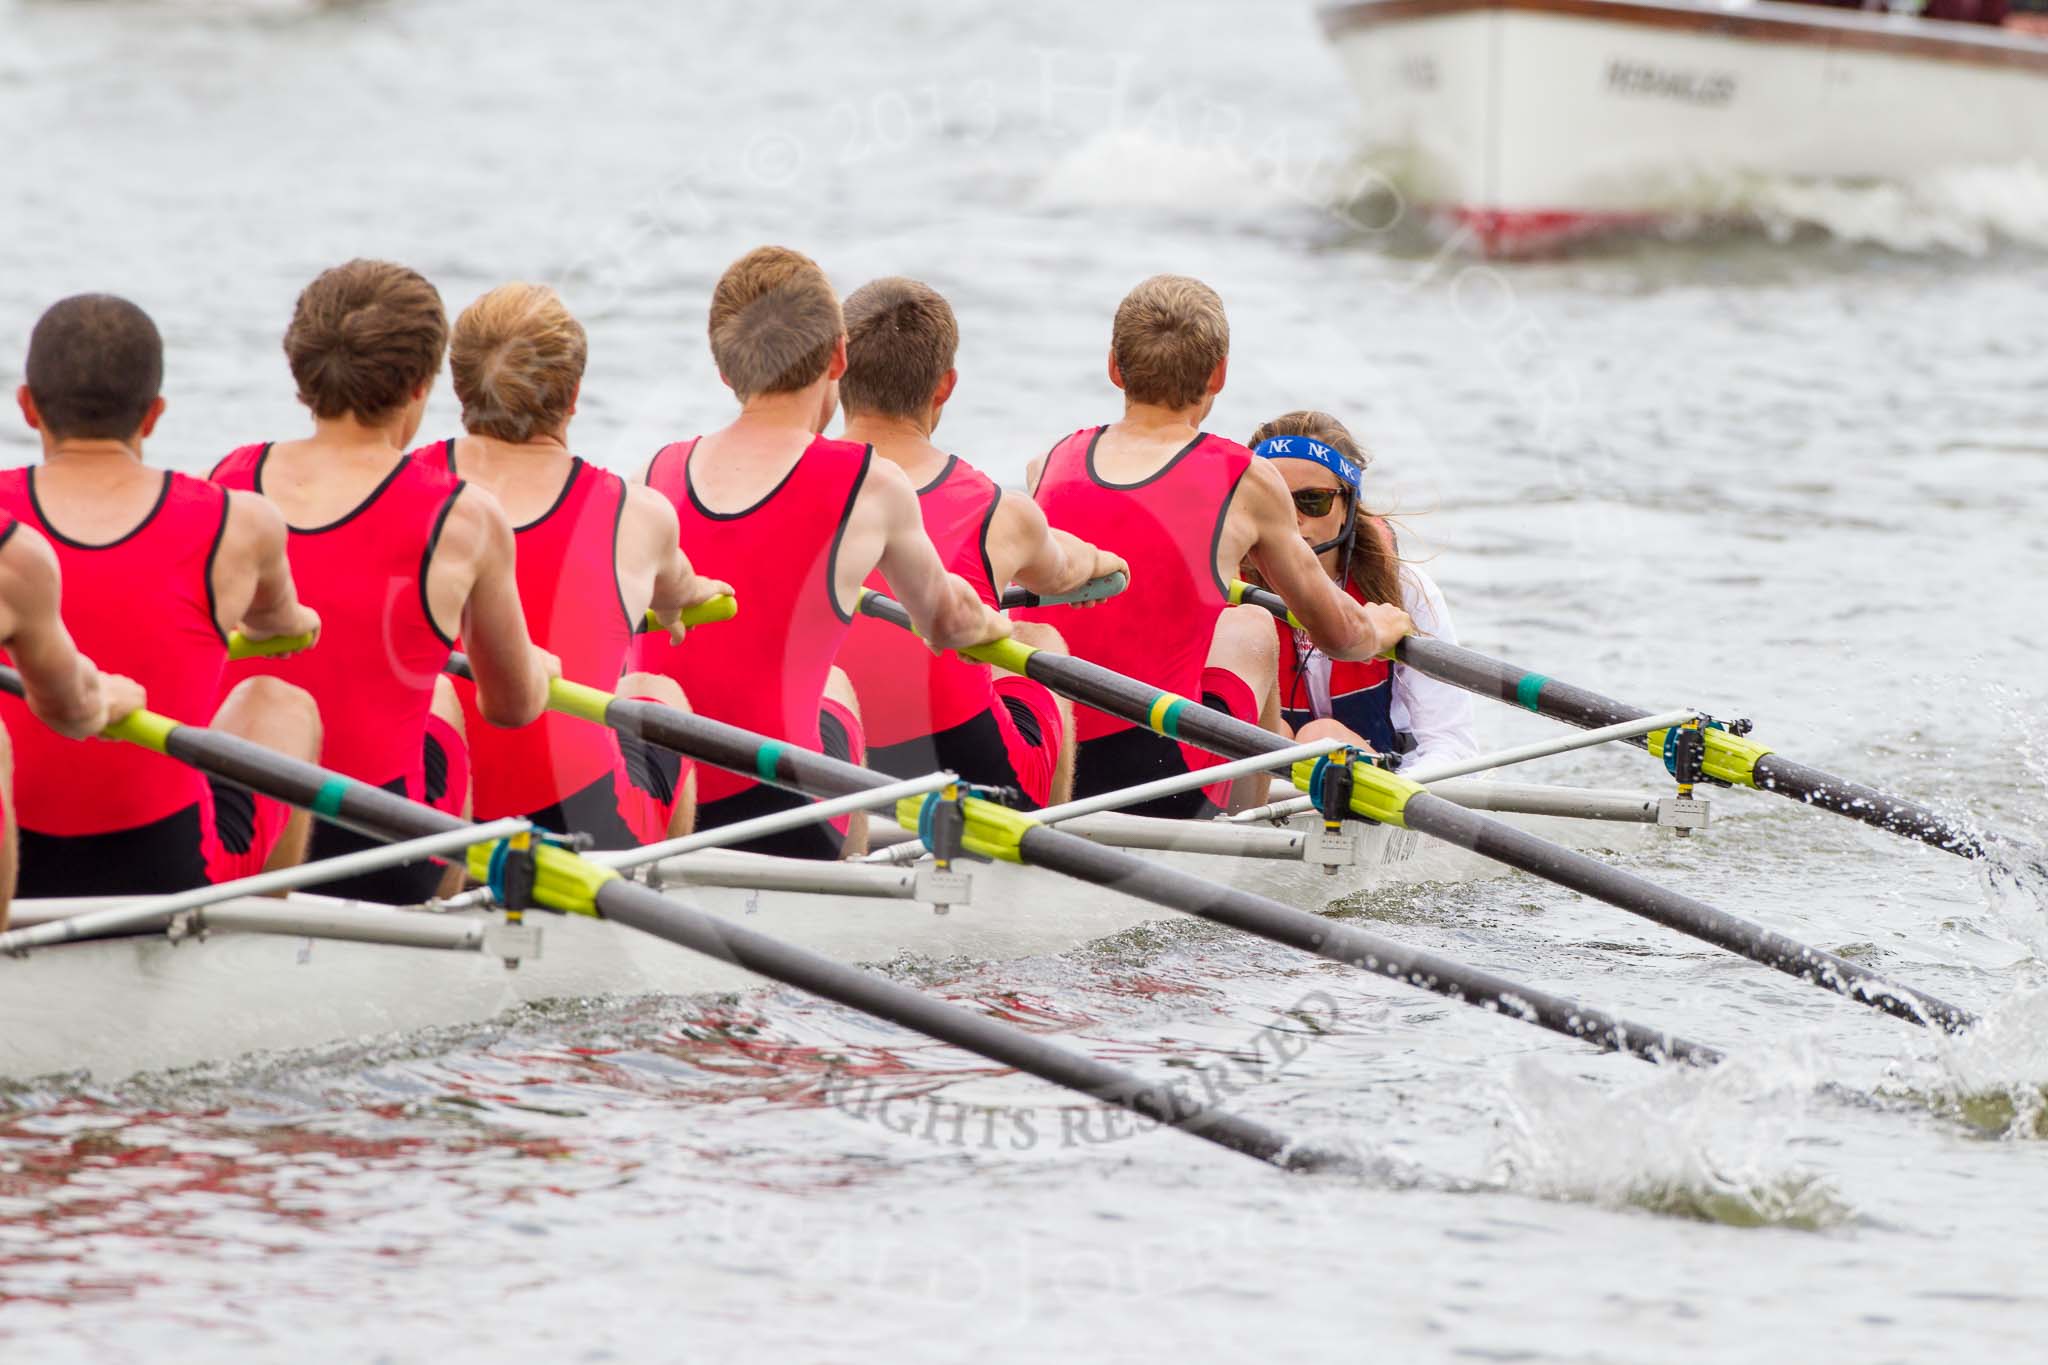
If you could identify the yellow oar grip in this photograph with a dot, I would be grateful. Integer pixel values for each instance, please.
(720, 608)
(579, 700)
(241, 647)
(146, 728)
(1007, 654)
(1239, 590)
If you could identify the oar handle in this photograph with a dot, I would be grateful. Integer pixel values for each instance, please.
(720, 608)
(146, 728)
(241, 646)
(1243, 594)
(1094, 590)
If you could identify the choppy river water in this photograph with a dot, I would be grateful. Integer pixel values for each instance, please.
(1796, 475)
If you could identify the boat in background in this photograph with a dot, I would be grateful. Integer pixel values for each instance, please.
(1520, 125)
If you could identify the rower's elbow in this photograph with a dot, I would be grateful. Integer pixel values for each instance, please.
(512, 712)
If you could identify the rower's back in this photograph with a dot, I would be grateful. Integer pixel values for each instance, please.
(1159, 497)
(769, 521)
(155, 569)
(392, 551)
(794, 522)
(135, 547)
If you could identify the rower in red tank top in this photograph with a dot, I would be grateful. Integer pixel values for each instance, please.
(1185, 508)
(399, 555)
(766, 670)
(61, 688)
(155, 568)
(595, 556)
(923, 711)
(795, 523)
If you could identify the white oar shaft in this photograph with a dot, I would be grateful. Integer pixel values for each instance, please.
(1281, 759)
(1437, 772)
(1146, 791)
(727, 835)
(147, 913)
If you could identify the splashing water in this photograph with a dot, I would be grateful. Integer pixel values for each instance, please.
(1704, 1145)
(1993, 1078)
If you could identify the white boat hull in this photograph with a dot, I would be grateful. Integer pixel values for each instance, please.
(1522, 122)
(111, 1008)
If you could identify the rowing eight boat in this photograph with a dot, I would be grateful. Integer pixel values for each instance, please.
(258, 975)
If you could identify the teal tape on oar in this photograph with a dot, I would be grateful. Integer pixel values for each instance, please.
(327, 801)
(1529, 690)
(765, 760)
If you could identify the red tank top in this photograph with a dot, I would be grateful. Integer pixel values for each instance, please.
(373, 672)
(765, 669)
(1166, 528)
(906, 691)
(140, 606)
(569, 587)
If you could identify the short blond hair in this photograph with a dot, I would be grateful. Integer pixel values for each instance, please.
(518, 359)
(1169, 336)
(774, 322)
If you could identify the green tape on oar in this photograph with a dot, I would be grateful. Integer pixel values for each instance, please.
(327, 801)
(241, 646)
(720, 608)
(1529, 691)
(1164, 717)
(766, 759)
(146, 728)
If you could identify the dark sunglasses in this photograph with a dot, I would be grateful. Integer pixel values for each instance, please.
(1315, 502)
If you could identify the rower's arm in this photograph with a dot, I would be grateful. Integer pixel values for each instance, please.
(943, 606)
(1341, 627)
(252, 575)
(511, 674)
(655, 538)
(62, 687)
(1025, 548)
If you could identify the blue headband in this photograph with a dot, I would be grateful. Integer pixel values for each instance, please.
(1302, 448)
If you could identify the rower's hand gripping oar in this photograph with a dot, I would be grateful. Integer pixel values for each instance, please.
(708, 612)
(241, 646)
(1087, 595)
(1377, 794)
(558, 879)
(1727, 757)
(720, 608)
(986, 829)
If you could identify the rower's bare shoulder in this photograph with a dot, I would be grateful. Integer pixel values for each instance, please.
(650, 516)
(28, 574)
(254, 522)
(1019, 518)
(886, 487)
(476, 523)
